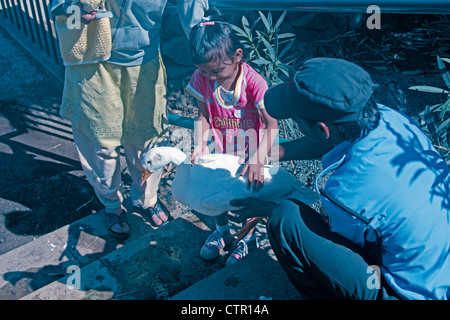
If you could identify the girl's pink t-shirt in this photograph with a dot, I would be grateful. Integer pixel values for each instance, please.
(235, 119)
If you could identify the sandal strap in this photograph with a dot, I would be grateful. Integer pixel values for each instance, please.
(119, 219)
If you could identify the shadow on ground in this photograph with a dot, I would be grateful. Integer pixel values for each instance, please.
(37, 179)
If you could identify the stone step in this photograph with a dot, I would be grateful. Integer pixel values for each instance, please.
(45, 259)
(166, 265)
(156, 266)
(256, 277)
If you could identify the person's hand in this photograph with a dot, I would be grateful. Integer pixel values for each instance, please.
(88, 17)
(255, 173)
(249, 208)
(197, 153)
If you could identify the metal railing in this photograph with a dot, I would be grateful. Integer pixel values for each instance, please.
(33, 19)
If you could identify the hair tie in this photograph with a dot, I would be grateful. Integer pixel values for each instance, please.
(205, 21)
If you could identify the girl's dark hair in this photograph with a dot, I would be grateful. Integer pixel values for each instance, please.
(368, 120)
(213, 38)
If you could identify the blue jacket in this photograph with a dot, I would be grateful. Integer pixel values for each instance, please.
(397, 188)
(136, 24)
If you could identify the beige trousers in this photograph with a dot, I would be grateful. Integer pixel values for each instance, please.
(103, 171)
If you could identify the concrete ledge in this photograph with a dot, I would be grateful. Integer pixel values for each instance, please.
(257, 276)
(46, 259)
(155, 266)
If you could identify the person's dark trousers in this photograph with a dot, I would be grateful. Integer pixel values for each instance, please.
(321, 264)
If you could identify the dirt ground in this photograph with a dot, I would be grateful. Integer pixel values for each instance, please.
(43, 196)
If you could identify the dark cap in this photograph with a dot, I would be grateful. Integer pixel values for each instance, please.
(323, 89)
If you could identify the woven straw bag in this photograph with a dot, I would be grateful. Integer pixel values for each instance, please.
(89, 43)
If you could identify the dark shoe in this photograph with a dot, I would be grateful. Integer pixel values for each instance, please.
(114, 223)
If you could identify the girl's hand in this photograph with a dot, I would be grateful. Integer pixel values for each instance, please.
(197, 153)
(255, 175)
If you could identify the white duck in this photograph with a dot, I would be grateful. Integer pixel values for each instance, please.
(210, 185)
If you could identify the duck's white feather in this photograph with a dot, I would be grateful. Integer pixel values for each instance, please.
(210, 185)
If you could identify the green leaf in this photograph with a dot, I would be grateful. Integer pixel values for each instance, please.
(255, 23)
(444, 108)
(275, 44)
(265, 21)
(435, 107)
(443, 125)
(280, 20)
(260, 35)
(247, 44)
(286, 68)
(270, 49)
(261, 61)
(429, 89)
(286, 49)
(270, 68)
(246, 26)
(239, 31)
(429, 122)
(286, 35)
(448, 137)
(244, 21)
(445, 75)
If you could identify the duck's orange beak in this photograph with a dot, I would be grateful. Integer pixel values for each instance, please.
(144, 176)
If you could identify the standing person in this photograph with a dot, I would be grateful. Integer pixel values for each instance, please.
(386, 200)
(231, 107)
(119, 100)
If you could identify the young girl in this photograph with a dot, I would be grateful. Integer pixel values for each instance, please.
(231, 109)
